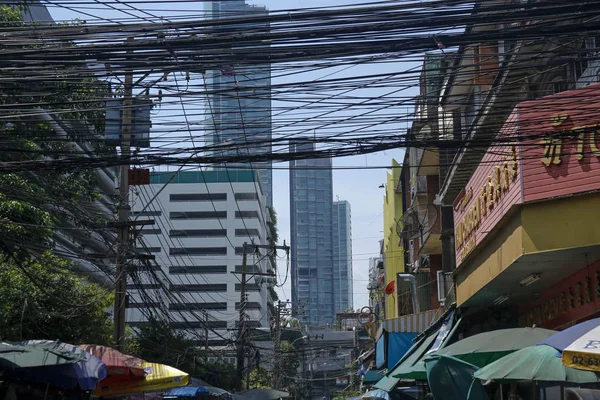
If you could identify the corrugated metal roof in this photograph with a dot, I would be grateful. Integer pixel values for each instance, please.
(413, 323)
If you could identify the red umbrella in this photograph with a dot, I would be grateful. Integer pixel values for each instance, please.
(119, 366)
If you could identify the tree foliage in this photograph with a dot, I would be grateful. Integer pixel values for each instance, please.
(156, 341)
(43, 299)
(31, 202)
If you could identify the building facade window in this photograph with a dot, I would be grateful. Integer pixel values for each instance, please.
(198, 269)
(198, 197)
(246, 196)
(247, 232)
(198, 306)
(150, 231)
(214, 287)
(198, 251)
(246, 214)
(199, 233)
(197, 214)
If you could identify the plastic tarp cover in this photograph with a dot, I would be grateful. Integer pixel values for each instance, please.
(380, 352)
(452, 379)
(398, 345)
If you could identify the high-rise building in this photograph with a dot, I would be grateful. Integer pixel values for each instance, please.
(238, 107)
(342, 256)
(311, 204)
(202, 219)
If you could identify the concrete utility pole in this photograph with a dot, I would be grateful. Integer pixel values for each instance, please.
(277, 346)
(123, 215)
(242, 329)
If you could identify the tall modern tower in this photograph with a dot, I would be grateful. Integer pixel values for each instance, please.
(238, 107)
(311, 204)
(342, 256)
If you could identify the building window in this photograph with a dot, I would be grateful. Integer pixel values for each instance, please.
(250, 287)
(198, 269)
(246, 196)
(149, 249)
(247, 232)
(197, 306)
(198, 214)
(147, 213)
(198, 233)
(198, 251)
(198, 197)
(215, 287)
(150, 231)
(246, 214)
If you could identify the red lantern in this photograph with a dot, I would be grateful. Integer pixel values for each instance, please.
(390, 288)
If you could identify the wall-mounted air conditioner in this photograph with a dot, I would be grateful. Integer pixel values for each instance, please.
(441, 287)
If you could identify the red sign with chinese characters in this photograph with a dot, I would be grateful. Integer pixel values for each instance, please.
(492, 190)
(561, 148)
(573, 299)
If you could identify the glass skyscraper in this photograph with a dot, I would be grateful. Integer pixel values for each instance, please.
(311, 205)
(239, 102)
(342, 256)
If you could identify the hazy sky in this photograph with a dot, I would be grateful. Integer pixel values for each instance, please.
(359, 186)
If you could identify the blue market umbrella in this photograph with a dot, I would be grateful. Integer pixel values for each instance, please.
(579, 345)
(84, 374)
(377, 394)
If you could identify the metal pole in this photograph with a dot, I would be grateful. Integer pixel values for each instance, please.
(123, 214)
(242, 322)
(277, 347)
(206, 331)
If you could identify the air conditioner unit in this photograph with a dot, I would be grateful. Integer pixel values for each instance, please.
(441, 287)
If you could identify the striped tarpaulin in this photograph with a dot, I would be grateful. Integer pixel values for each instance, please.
(413, 323)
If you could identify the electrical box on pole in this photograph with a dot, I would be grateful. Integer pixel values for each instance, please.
(140, 125)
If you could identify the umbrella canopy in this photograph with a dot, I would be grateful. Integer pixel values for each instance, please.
(192, 391)
(119, 366)
(485, 348)
(158, 377)
(83, 374)
(535, 363)
(260, 394)
(377, 394)
(20, 355)
(186, 391)
(580, 345)
(452, 379)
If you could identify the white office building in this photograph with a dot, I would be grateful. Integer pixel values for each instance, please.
(202, 220)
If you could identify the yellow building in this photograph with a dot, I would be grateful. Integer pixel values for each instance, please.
(393, 251)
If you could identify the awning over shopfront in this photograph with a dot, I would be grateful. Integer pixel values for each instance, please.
(413, 323)
(432, 339)
(372, 377)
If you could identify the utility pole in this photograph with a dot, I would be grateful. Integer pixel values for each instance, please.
(242, 329)
(206, 331)
(242, 322)
(123, 214)
(277, 347)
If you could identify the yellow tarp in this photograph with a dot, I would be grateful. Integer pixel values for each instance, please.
(158, 378)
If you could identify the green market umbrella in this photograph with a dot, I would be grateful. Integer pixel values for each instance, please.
(452, 379)
(485, 348)
(535, 363)
(13, 356)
